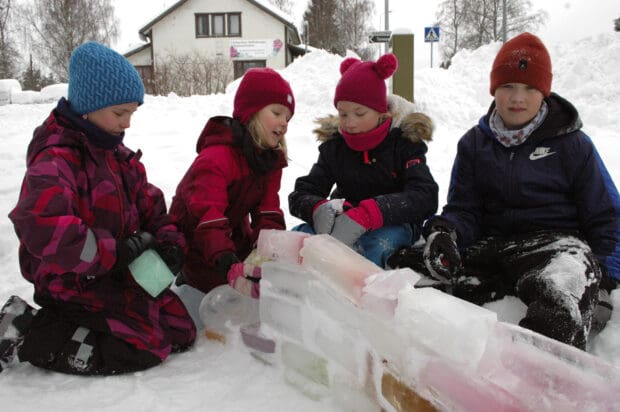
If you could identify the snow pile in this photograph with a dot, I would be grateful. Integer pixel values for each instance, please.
(8, 87)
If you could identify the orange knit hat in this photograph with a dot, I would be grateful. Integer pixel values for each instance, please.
(523, 59)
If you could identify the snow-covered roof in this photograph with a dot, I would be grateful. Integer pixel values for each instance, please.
(261, 4)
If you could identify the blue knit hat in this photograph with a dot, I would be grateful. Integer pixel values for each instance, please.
(100, 77)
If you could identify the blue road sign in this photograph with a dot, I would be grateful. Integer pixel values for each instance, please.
(431, 34)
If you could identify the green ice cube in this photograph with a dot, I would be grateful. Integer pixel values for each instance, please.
(151, 272)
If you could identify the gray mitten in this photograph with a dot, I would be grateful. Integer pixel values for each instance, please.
(347, 230)
(324, 216)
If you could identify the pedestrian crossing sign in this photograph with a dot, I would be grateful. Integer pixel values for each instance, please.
(431, 34)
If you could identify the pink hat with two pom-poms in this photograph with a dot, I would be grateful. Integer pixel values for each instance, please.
(364, 82)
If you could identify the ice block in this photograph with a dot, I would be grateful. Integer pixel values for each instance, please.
(261, 346)
(338, 264)
(281, 245)
(151, 272)
(549, 374)
(451, 327)
(402, 396)
(283, 290)
(459, 389)
(380, 294)
(305, 370)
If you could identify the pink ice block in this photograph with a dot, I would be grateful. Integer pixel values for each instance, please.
(281, 245)
(337, 263)
(551, 375)
(456, 388)
(380, 294)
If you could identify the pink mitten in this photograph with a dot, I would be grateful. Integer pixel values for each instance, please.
(245, 278)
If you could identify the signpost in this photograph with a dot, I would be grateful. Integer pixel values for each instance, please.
(380, 36)
(431, 35)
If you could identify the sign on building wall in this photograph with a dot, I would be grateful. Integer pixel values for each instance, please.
(255, 49)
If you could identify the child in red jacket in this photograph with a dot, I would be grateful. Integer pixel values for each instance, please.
(230, 191)
(85, 211)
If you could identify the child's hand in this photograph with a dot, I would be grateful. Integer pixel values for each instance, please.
(356, 221)
(323, 217)
(173, 255)
(131, 247)
(441, 256)
(245, 278)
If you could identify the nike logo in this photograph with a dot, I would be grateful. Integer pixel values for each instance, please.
(540, 152)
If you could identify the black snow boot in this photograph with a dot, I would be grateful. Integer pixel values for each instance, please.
(15, 319)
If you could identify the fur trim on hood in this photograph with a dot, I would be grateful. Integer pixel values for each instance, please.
(416, 126)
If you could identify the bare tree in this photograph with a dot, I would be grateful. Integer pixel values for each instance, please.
(354, 20)
(59, 26)
(190, 74)
(9, 57)
(468, 24)
(452, 14)
(338, 25)
(284, 5)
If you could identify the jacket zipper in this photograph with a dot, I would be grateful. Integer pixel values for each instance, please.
(120, 190)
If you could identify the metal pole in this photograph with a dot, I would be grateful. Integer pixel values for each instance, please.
(505, 19)
(432, 55)
(387, 21)
(306, 34)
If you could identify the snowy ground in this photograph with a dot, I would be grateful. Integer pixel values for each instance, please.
(213, 376)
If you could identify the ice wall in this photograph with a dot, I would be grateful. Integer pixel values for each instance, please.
(339, 327)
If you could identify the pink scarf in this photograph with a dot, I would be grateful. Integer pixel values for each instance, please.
(363, 142)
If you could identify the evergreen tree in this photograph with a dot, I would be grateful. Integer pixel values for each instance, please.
(31, 78)
(322, 29)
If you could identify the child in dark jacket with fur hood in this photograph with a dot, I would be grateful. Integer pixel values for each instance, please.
(373, 152)
(85, 212)
(532, 210)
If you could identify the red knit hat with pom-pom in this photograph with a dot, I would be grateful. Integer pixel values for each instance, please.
(364, 82)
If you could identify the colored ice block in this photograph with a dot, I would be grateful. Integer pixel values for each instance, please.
(380, 295)
(281, 245)
(338, 264)
(549, 374)
(151, 272)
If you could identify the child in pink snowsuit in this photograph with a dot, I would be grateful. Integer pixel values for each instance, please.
(85, 211)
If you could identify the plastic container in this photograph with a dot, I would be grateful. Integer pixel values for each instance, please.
(224, 310)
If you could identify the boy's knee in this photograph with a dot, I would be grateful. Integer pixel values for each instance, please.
(556, 322)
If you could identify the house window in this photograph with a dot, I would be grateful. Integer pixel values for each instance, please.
(242, 66)
(202, 25)
(234, 24)
(218, 25)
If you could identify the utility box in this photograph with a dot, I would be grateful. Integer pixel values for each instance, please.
(402, 81)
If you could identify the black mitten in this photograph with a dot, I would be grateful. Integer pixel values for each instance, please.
(441, 255)
(224, 262)
(131, 247)
(173, 255)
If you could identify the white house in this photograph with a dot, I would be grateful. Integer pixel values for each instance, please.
(251, 33)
